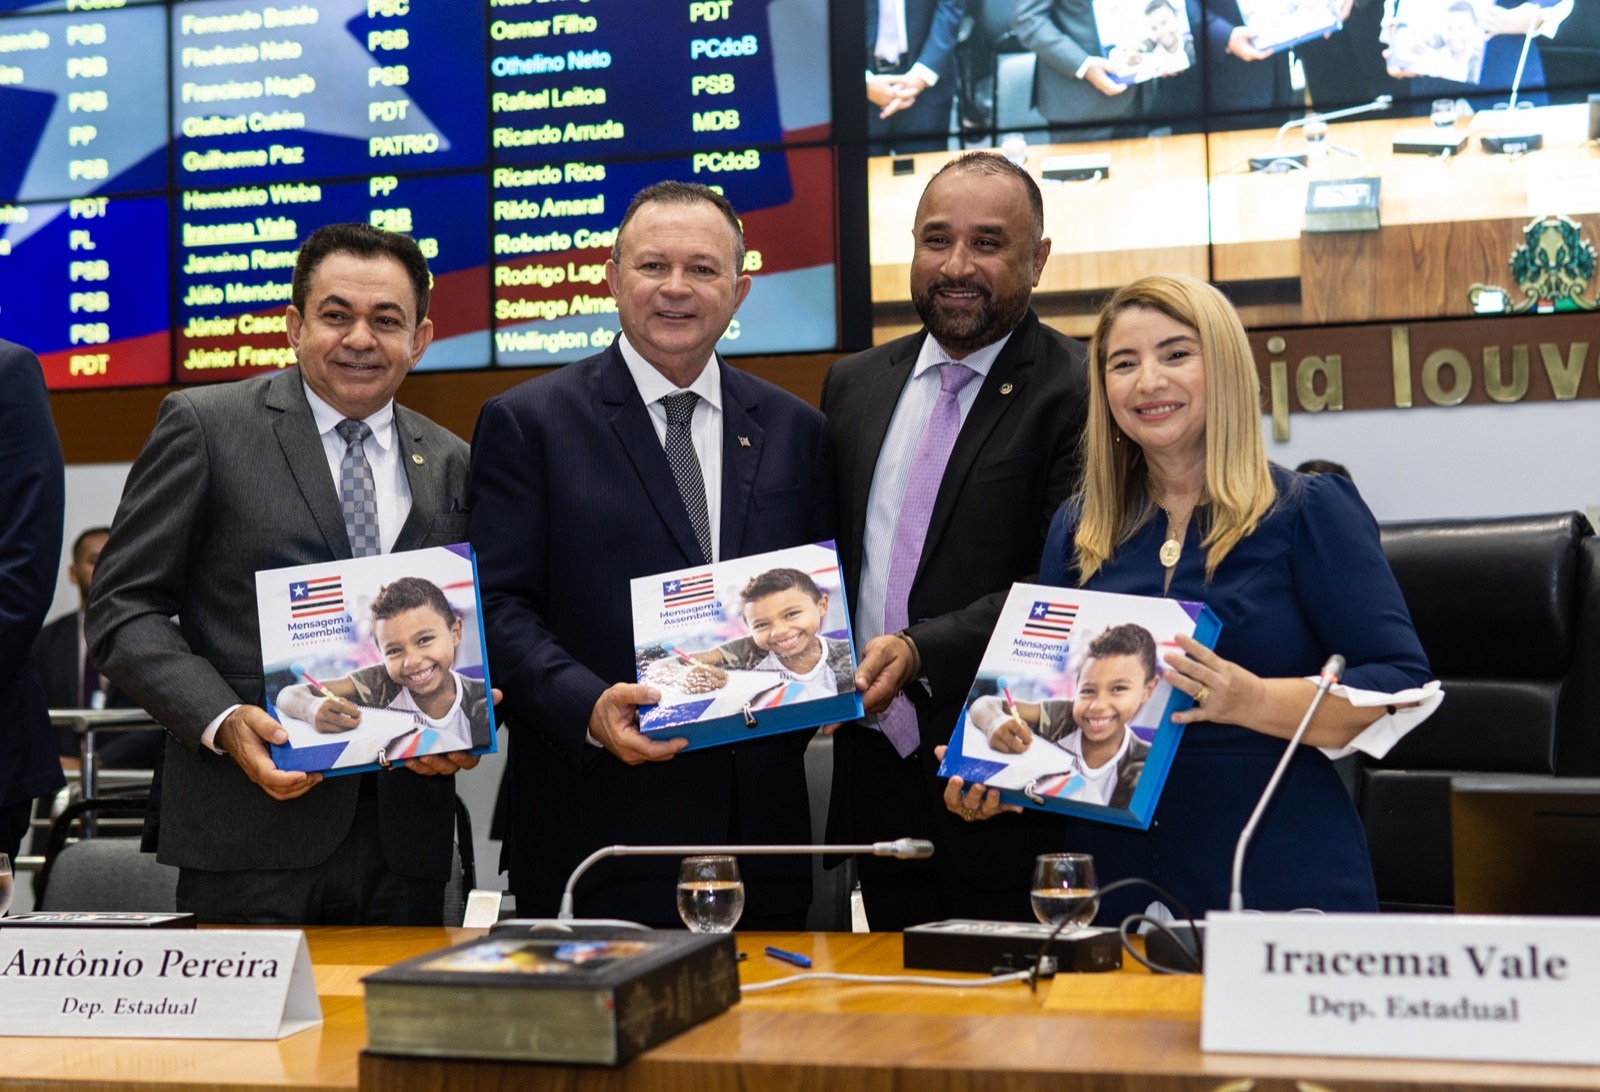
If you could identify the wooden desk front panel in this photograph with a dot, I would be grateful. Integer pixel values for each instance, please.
(862, 1038)
(1189, 203)
(1148, 217)
(1411, 270)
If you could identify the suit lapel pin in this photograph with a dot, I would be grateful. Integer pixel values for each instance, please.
(417, 459)
(1005, 388)
(744, 441)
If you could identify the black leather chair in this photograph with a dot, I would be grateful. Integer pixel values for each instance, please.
(1509, 613)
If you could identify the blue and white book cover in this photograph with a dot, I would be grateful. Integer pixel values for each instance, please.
(746, 647)
(1070, 712)
(375, 660)
(1440, 38)
(1276, 25)
(1144, 39)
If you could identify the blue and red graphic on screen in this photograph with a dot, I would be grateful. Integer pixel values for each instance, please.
(134, 251)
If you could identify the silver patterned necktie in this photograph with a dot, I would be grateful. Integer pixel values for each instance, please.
(685, 466)
(356, 491)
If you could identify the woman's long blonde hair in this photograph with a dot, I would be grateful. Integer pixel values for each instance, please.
(1114, 497)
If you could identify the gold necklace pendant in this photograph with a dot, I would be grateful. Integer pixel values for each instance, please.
(1170, 552)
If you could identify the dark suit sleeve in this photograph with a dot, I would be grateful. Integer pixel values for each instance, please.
(940, 43)
(139, 580)
(1037, 30)
(547, 691)
(32, 502)
(1220, 25)
(32, 506)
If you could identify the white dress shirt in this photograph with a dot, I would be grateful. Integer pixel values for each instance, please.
(893, 470)
(705, 428)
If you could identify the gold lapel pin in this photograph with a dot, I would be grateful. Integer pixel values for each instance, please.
(417, 459)
(1005, 388)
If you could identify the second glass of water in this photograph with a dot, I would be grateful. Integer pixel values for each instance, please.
(710, 894)
(1064, 889)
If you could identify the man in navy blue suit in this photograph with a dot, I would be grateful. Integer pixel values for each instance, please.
(911, 73)
(32, 506)
(572, 494)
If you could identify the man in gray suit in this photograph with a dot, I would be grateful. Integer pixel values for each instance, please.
(1073, 83)
(258, 475)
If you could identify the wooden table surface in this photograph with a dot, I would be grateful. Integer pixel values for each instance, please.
(1114, 1031)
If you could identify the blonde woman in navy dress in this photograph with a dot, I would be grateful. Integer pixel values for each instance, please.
(1178, 500)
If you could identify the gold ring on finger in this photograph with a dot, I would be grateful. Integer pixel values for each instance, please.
(969, 814)
(1202, 695)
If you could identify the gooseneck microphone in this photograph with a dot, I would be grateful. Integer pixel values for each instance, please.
(1382, 102)
(904, 848)
(1330, 675)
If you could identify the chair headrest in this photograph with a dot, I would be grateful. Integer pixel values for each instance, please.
(1492, 596)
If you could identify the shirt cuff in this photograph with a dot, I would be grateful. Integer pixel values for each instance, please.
(208, 738)
(1550, 18)
(1406, 710)
(1084, 67)
(928, 75)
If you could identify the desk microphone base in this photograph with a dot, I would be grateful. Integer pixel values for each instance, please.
(1511, 143)
(1429, 142)
(1177, 955)
(1278, 162)
(985, 946)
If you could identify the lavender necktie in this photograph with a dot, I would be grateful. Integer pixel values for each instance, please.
(899, 721)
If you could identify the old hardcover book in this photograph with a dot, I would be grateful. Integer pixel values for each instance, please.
(99, 919)
(1343, 204)
(595, 995)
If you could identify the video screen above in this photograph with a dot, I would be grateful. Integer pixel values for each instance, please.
(1326, 160)
(164, 161)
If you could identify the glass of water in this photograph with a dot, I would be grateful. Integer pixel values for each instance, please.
(710, 894)
(1064, 889)
(5, 884)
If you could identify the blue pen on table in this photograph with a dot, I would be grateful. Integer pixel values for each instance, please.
(789, 957)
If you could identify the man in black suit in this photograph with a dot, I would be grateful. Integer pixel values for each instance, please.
(980, 249)
(284, 469)
(573, 494)
(71, 680)
(32, 508)
(911, 73)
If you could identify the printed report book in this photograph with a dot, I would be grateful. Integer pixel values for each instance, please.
(374, 660)
(746, 647)
(1069, 712)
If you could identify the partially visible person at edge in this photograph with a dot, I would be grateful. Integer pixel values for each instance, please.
(1178, 500)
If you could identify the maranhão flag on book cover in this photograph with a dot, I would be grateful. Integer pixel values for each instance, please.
(1051, 621)
(681, 591)
(323, 595)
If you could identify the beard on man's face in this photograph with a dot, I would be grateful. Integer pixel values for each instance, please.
(968, 330)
